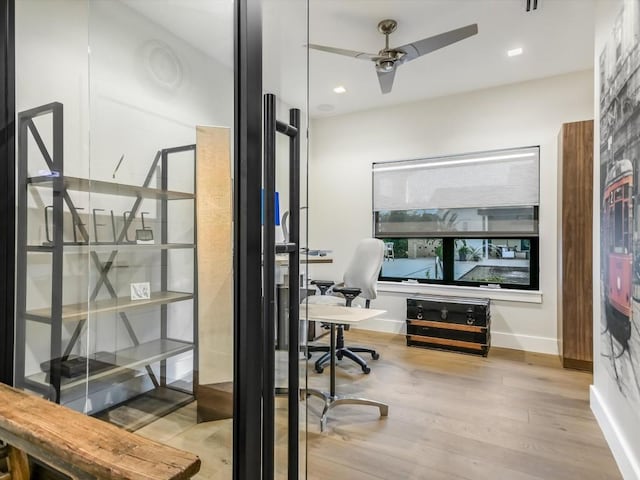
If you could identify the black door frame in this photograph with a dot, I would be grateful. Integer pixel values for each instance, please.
(248, 334)
(7, 189)
(248, 369)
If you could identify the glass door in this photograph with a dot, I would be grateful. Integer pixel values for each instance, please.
(161, 88)
(161, 165)
(285, 37)
(125, 295)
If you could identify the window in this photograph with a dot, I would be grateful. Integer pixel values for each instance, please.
(412, 259)
(504, 262)
(460, 220)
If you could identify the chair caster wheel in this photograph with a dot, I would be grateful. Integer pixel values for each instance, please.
(319, 369)
(339, 356)
(308, 356)
(366, 370)
(375, 355)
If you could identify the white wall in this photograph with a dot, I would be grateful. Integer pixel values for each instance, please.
(344, 147)
(619, 417)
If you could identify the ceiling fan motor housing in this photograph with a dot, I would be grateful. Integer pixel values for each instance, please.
(386, 65)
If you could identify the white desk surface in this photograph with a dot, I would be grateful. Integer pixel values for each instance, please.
(318, 312)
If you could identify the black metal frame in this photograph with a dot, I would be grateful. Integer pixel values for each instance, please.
(7, 186)
(55, 162)
(248, 345)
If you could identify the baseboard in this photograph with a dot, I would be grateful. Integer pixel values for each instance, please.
(627, 462)
(528, 343)
(572, 363)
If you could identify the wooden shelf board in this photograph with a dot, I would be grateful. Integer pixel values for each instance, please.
(108, 247)
(448, 326)
(80, 311)
(125, 359)
(110, 188)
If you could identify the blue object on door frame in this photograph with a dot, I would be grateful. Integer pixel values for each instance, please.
(276, 206)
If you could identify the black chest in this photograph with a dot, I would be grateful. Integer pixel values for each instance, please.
(450, 323)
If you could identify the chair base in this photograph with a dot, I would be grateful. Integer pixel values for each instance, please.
(348, 352)
(342, 351)
(331, 401)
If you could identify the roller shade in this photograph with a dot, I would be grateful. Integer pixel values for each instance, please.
(504, 178)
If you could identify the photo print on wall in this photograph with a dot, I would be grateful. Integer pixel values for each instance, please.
(620, 200)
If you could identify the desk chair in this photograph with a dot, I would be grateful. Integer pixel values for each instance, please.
(360, 279)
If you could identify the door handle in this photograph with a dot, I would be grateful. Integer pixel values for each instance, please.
(272, 126)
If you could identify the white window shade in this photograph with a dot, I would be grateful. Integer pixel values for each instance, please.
(505, 178)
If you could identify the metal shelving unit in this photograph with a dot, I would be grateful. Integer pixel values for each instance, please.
(121, 362)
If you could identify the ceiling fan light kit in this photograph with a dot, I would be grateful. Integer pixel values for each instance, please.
(389, 59)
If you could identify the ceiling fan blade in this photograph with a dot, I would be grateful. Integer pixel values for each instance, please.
(386, 80)
(431, 44)
(342, 51)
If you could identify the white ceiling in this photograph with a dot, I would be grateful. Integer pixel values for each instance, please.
(557, 38)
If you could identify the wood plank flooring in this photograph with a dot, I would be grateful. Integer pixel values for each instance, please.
(511, 416)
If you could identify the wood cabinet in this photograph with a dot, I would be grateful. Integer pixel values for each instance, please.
(575, 244)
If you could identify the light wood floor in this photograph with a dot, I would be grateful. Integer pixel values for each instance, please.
(511, 416)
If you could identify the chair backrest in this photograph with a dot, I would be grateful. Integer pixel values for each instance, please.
(365, 266)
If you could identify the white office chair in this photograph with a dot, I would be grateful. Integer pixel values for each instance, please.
(360, 279)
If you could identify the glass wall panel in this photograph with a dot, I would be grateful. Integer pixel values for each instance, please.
(161, 102)
(124, 160)
(285, 36)
(52, 133)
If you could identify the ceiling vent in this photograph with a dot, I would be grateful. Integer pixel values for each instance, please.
(532, 5)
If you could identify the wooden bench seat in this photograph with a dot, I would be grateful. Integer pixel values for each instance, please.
(83, 447)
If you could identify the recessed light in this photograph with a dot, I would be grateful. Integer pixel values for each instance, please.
(339, 89)
(514, 52)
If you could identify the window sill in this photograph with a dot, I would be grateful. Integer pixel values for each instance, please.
(506, 295)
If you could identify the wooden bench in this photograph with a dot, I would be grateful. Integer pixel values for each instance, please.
(80, 446)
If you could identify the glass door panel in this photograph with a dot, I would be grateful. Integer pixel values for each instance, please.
(125, 301)
(161, 98)
(124, 259)
(52, 143)
(285, 87)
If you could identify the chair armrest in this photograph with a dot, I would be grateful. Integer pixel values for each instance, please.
(323, 285)
(348, 292)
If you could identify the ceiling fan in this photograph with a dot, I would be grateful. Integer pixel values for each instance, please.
(388, 59)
